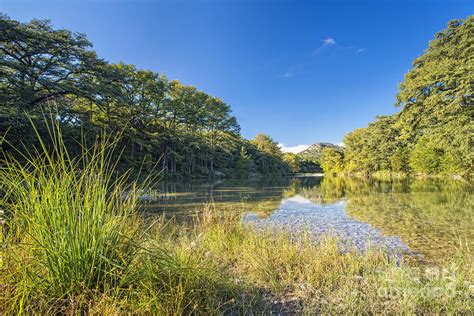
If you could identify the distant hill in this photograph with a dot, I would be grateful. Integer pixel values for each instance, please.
(314, 151)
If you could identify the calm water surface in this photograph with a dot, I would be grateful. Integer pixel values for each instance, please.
(429, 218)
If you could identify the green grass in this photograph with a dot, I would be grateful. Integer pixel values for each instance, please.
(74, 243)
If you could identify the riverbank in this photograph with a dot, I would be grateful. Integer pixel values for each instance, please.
(74, 243)
(388, 176)
(218, 265)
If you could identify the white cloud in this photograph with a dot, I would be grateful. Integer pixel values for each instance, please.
(329, 41)
(360, 50)
(326, 43)
(292, 149)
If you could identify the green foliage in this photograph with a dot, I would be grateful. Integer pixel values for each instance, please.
(266, 144)
(73, 215)
(426, 157)
(269, 158)
(244, 163)
(432, 132)
(313, 152)
(297, 164)
(293, 161)
(40, 63)
(332, 160)
(399, 161)
(190, 133)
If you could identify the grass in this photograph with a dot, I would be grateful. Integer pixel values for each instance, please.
(74, 243)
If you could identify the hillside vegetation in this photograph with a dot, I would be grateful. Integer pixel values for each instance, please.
(314, 152)
(433, 131)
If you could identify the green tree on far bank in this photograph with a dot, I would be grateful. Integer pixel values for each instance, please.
(332, 161)
(185, 132)
(432, 133)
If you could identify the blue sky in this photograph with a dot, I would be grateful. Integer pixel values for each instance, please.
(301, 71)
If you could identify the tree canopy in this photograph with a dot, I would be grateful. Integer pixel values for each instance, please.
(49, 72)
(433, 131)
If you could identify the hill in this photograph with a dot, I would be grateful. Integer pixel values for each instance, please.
(313, 153)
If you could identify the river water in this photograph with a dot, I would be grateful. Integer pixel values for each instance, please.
(428, 218)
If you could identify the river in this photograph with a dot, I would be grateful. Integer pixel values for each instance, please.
(428, 218)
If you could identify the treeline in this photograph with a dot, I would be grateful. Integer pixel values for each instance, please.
(433, 132)
(298, 164)
(46, 72)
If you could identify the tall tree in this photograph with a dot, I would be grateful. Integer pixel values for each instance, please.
(332, 160)
(40, 64)
(433, 131)
(55, 72)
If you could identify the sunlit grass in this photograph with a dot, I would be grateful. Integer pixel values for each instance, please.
(73, 242)
(318, 277)
(71, 224)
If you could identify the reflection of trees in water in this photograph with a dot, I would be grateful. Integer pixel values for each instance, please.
(265, 205)
(430, 216)
(331, 189)
(257, 196)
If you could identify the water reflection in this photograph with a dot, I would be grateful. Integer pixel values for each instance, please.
(433, 218)
(301, 214)
(430, 216)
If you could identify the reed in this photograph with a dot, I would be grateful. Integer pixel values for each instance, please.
(71, 217)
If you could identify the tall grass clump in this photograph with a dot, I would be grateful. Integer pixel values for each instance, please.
(69, 222)
(73, 242)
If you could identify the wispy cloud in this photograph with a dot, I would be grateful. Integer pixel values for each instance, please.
(326, 43)
(292, 149)
(298, 69)
(292, 71)
(353, 49)
(288, 74)
(329, 42)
